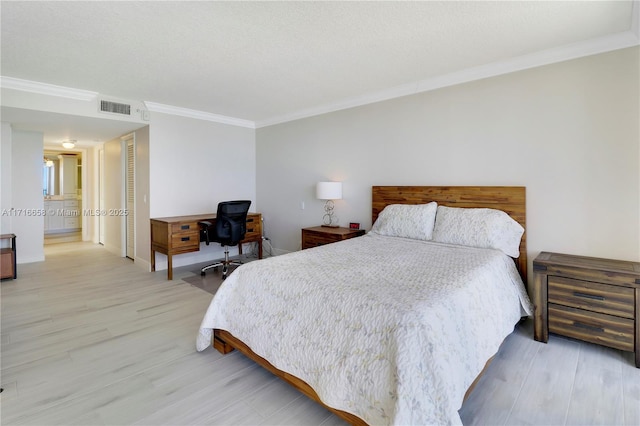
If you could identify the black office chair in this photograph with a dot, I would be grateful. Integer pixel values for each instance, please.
(229, 229)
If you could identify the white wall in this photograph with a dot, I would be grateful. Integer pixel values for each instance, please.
(89, 193)
(195, 164)
(5, 177)
(569, 132)
(26, 195)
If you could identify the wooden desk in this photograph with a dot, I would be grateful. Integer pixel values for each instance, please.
(181, 234)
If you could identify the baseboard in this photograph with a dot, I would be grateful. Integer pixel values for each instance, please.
(143, 264)
(278, 252)
(28, 259)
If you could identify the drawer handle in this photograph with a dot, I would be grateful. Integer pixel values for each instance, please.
(184, 227)
(249, 229)
(588, 327)
(185, 238)
(588, 296)
(249, 220)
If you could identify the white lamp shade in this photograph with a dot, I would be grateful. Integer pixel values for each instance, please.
(329, 191)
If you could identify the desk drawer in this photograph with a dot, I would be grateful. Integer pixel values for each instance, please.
(184, 227)
(254, 228)
(607, 330)
(596, 297)
(186, 240)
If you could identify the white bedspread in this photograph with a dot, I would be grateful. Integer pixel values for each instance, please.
(392, 330)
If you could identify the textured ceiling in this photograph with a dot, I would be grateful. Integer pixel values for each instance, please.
(262, 61)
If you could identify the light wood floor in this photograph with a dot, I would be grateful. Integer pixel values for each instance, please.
(62, 237)
(90, 338)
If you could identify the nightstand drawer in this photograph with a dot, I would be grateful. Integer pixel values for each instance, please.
(320, 235)
(592, 327)
(602, 298)
(313, 239)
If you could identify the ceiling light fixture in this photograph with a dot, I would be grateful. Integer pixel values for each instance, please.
(69, 144)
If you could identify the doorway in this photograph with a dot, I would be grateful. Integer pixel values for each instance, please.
(62, 191)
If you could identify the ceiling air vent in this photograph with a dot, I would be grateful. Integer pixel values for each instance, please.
(115, 107)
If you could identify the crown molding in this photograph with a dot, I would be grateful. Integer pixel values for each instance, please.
(199, 115)
(46, 89)
(533, 60)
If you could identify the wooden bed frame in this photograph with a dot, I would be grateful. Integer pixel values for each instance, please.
(510, 199)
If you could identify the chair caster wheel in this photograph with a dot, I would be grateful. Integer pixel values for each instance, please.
(203, 273)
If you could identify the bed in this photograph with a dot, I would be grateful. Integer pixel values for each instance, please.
(394, 327)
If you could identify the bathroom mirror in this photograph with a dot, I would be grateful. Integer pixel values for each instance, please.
(50, 176)
(61, 174)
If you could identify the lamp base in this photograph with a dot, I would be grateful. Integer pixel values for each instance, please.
(330, 226)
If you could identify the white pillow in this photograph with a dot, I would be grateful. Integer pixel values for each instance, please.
(406, 220)
(485, 228)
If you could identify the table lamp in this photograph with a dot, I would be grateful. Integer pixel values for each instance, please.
(329, 191)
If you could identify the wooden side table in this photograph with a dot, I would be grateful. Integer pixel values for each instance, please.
(8, 267)
(321, 235)
(587, 298)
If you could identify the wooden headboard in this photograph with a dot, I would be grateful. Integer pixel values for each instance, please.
(510, 199)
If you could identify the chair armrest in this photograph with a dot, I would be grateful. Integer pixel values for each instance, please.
(205, 225)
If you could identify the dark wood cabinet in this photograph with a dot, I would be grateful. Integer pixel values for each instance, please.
(321, 235)
(591, 299)
(8, 267)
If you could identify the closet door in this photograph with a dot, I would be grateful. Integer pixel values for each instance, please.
(101, 202)
(130, 196)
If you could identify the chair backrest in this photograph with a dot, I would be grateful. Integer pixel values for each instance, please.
(231, 221)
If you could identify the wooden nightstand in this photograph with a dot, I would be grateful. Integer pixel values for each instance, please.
(320, 235)
(588, 298)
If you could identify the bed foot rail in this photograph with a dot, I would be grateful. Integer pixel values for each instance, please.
(220, 344)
